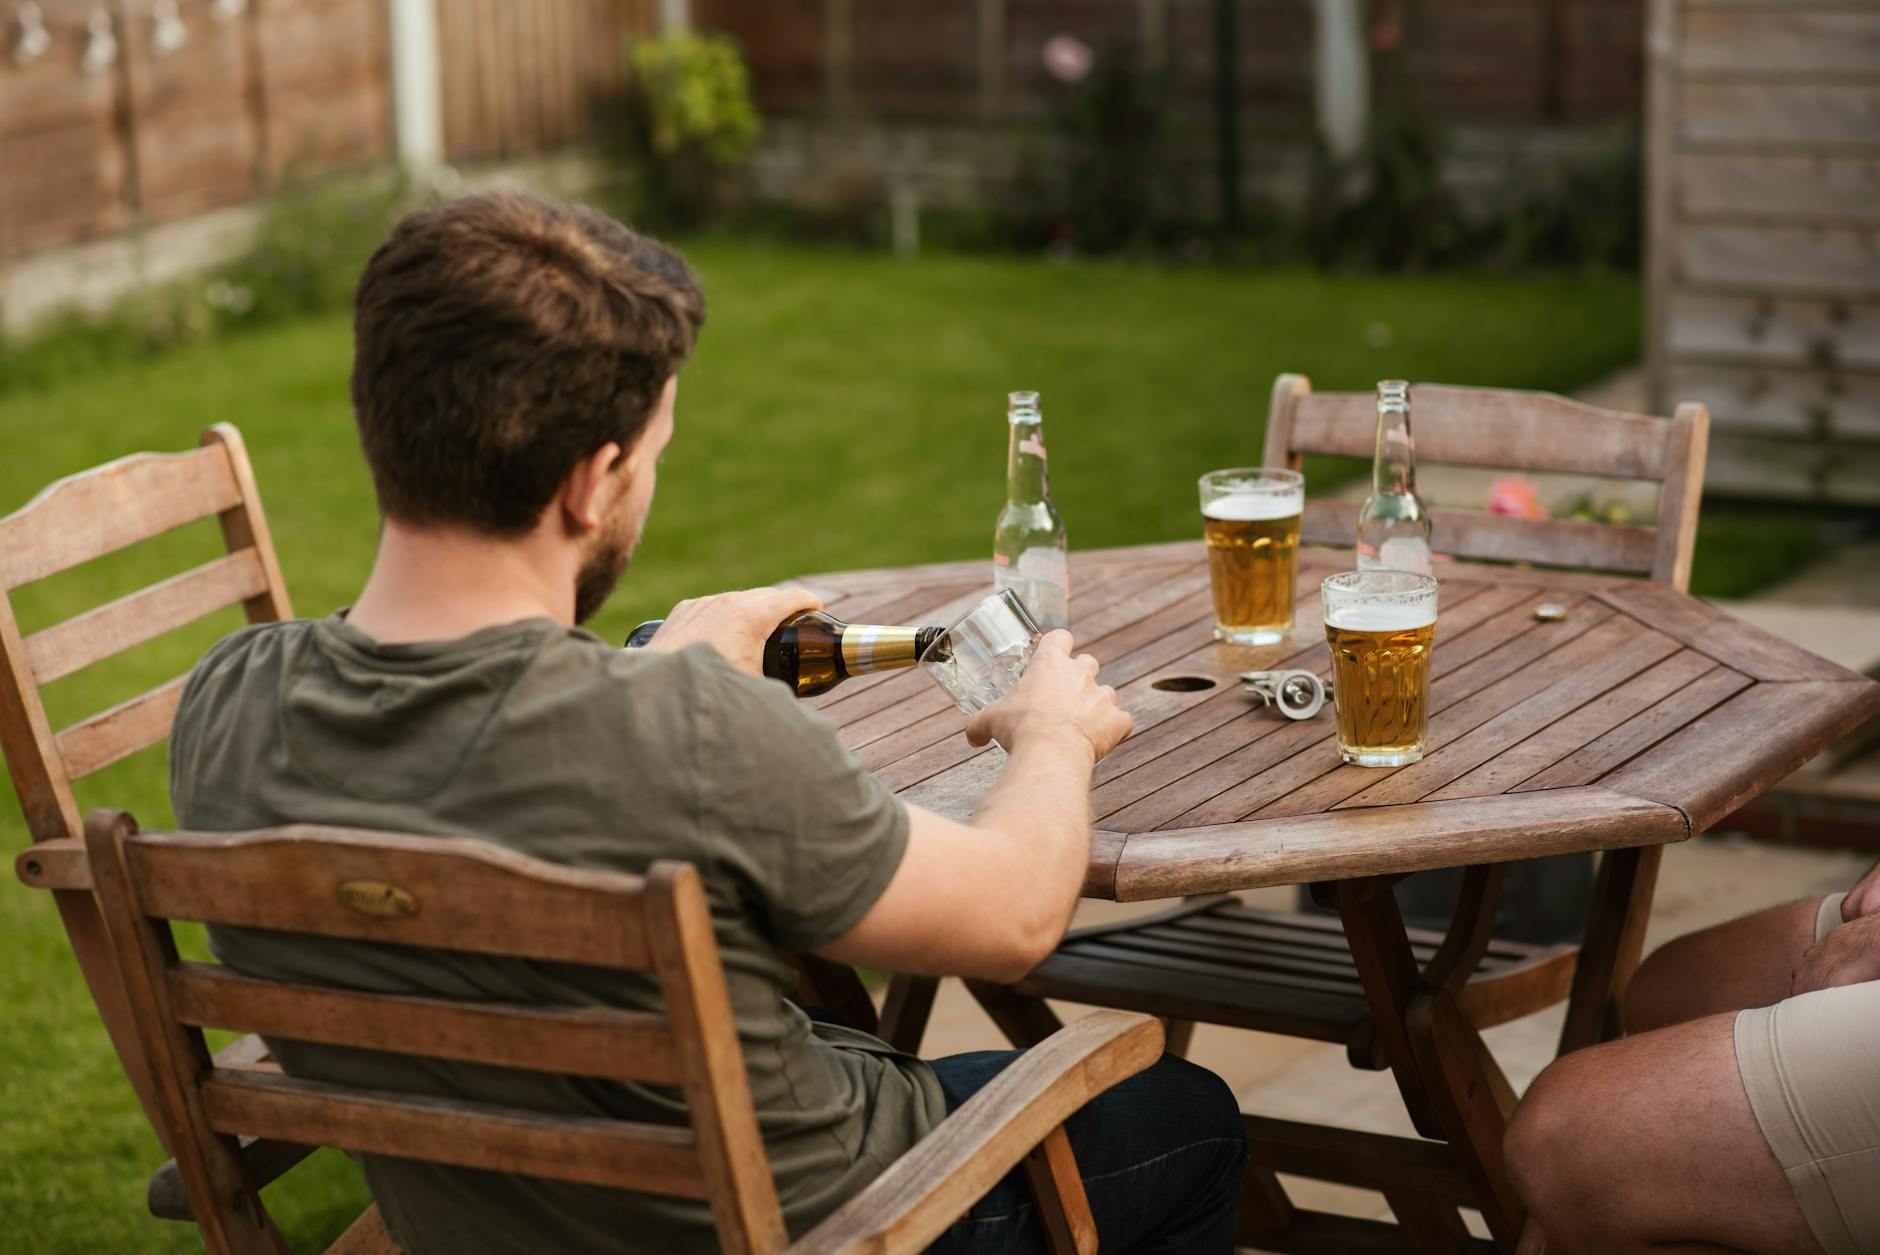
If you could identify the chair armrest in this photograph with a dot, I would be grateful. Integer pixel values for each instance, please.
(931, 1186)
(264, 1160)
(57, 864)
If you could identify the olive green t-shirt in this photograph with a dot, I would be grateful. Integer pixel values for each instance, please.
(544, 739)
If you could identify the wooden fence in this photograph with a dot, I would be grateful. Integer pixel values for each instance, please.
(520, 77)
(127, 111)
(108, 120)
(1764, 166)
(1496, 62)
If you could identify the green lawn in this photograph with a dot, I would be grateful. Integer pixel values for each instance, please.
(843, 410)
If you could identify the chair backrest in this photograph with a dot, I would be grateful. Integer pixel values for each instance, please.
(441, 893)
(1527, 431)
(86, 516)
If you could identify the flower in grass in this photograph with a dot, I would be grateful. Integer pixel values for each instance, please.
(1067, 58)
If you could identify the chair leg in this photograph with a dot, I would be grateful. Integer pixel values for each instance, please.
(1265, 1212)
(905, 1011)
(1430, 1225)
(1615, 936)
(1058, 1189)
(1473, 1102)
(1177, 1035)
(84, 928)
(836, 989)
(1380, 950)
(1024, 1021)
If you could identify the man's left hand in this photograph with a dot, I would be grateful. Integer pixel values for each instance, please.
(736, 624)
(1849, 955)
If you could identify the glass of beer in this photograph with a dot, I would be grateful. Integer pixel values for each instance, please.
(1381, 626)
(1250, 519)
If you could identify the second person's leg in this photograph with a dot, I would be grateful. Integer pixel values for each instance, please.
(1744, 963)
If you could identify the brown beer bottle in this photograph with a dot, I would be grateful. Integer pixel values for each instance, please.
(813, 652)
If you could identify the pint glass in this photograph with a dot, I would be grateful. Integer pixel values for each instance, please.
(1381, 626)
(1250, 520)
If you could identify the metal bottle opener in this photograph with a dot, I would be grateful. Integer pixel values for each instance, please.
(1297, 694)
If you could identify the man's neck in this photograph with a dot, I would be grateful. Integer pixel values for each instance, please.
(442, 583)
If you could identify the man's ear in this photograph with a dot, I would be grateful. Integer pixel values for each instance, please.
(589, 490)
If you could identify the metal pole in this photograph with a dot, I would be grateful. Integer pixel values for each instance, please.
(1227, 110)
(417, 105)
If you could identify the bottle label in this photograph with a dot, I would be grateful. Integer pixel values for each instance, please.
(1397, 554)
(869, 648)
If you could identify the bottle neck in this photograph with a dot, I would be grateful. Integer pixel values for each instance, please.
(1394, 468)
(865, 647)
(1026, 481)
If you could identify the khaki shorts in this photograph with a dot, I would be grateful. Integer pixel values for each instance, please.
(1811, 1067)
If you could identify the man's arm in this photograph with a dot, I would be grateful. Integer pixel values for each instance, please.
(992, 898)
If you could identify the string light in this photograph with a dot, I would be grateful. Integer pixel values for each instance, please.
(33, 37)
(100, 43)
(166, 29)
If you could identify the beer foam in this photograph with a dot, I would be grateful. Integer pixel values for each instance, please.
(1381, 617)
(1253, 507)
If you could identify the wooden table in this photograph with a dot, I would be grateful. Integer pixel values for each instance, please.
(1639, 718)
(1642, 717)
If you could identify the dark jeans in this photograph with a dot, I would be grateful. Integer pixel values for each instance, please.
(1160, 1154)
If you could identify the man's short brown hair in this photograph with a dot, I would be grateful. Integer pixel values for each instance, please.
(499, 340)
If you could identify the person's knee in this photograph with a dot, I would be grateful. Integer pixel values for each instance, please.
(1207, 1104)
(1545, 1144)
(1662, 985)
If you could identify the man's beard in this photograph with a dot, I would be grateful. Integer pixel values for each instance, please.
(594, 583)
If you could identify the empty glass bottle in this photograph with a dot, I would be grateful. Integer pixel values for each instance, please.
(1030, 555)
(1393, 526)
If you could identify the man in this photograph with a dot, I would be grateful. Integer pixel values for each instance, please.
(514, 383)
(1744, 1112)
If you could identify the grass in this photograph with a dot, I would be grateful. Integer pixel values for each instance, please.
(844, 410)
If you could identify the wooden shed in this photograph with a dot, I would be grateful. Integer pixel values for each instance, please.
(1763, 150)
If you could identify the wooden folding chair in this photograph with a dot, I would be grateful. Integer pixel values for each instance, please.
(1294, 974)
(71, 522)
(444, 892)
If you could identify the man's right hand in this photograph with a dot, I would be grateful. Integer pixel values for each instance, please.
(1057, 697)
(1863, 898)
(1849, 955)
(736, 624)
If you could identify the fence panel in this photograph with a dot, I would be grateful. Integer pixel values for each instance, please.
(64, 174)
(119, 112)
(521, 77)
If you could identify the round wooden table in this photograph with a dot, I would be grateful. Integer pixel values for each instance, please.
(1638, 718)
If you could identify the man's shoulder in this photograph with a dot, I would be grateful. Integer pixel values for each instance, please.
(244, 651)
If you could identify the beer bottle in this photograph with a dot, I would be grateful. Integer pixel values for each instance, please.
(1393, 526)
(1029, 551)
(813, 652)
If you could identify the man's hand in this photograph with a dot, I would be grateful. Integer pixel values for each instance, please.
(1058, 696)
(735, 624)
(1864, 897)
(1849, 955)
